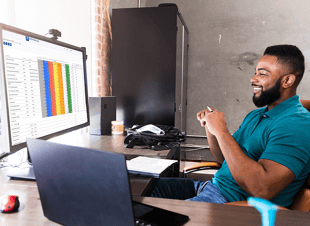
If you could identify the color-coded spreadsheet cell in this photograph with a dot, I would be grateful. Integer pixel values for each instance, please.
(56, 93)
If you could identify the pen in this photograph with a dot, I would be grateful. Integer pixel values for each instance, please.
(209, 109)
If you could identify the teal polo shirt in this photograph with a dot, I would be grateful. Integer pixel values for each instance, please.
(281, 135)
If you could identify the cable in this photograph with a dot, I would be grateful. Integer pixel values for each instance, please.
(196, 136)
(6, 164)
(197, 149)
(20, 156)
(194, 147)
(3, 155)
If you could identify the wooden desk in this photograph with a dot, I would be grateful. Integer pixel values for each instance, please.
(211, 214)
(115, 143)
(31, 214)
(111, 143)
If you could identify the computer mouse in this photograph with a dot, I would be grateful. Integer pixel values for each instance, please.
(9, 203)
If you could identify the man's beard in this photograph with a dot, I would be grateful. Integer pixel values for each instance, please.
(269, 96)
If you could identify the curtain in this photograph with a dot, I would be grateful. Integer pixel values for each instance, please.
(101, 48)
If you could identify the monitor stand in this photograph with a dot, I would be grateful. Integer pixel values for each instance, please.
(26, 173)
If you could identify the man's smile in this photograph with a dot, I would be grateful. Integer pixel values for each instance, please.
(257, 89)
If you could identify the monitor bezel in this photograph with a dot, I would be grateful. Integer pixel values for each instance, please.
(6, 147)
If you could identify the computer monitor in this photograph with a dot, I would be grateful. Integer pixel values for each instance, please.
(43, 88)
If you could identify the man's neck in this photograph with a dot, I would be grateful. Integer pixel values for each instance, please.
(282, 99)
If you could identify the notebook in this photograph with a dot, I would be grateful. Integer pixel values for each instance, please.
(148, 166)
(80, 186)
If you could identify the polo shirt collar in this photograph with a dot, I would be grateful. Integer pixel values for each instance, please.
(277, 110)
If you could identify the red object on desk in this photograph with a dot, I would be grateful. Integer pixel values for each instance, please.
(9, 203)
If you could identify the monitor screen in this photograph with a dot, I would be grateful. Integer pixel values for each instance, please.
(43, 88)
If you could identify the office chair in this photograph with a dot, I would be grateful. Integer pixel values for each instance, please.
(302, 199)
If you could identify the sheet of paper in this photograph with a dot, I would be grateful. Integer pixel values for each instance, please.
(149, 165)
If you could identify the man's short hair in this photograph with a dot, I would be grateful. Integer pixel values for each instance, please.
(290, 56)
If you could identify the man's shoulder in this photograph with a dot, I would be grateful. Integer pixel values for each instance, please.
(294, 119)
(296, 113)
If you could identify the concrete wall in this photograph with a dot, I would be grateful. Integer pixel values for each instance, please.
(114, 4)
(226, 40)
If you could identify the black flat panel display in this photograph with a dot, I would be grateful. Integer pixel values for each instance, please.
(144, 65)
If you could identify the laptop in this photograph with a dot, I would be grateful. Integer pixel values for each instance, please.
(81, 186)
(26, 173)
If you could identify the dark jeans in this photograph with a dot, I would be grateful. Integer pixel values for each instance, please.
(188, 189)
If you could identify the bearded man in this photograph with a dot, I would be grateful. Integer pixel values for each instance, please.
(269, 155)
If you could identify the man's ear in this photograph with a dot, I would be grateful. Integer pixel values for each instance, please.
(289, 80)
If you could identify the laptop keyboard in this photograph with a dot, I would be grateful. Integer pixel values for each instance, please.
(139, 222)
(146, 215)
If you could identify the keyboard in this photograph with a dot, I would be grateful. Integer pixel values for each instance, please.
(139, 222)
(146, 215)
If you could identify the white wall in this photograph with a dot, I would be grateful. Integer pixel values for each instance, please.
(71, 17)
(4, 11)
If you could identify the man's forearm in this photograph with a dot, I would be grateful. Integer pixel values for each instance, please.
(215, 148)
(248, 173)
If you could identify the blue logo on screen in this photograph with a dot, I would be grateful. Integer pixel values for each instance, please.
(31, 39)
(7, 43)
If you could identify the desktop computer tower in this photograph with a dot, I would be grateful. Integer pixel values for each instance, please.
(102, 111)
(149, 66)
